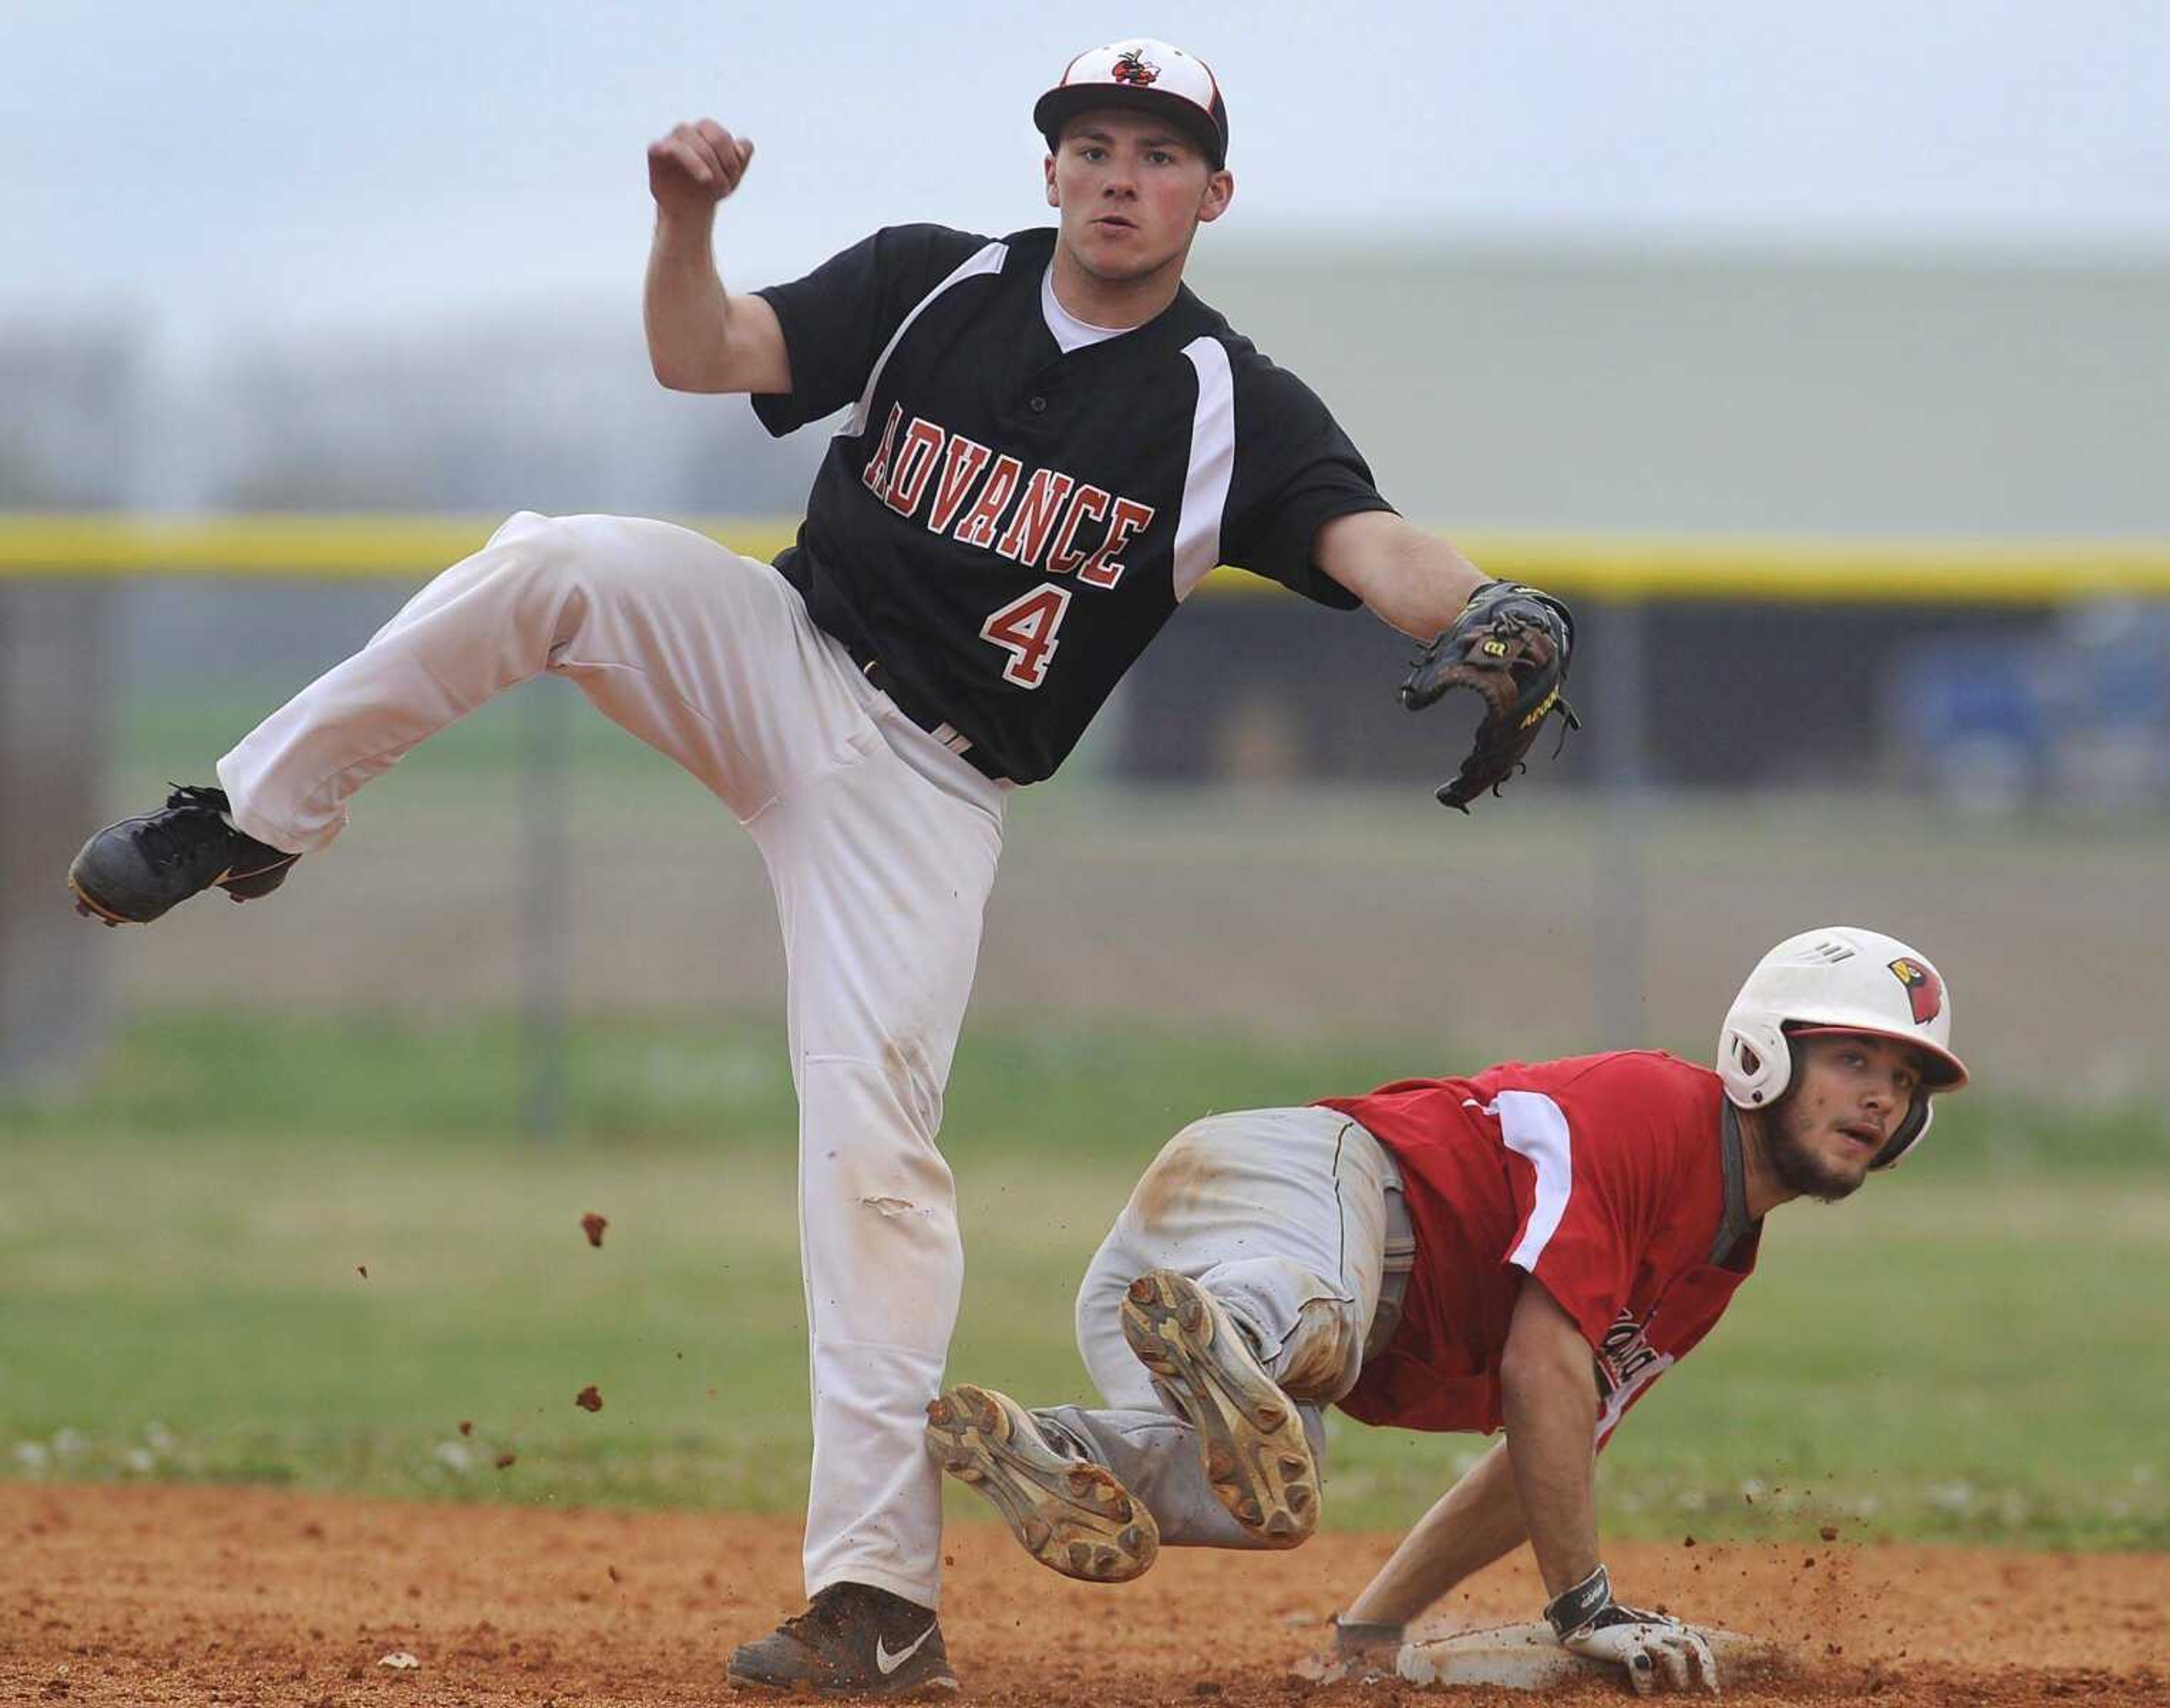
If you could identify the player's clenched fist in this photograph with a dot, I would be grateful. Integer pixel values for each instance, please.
(696, 166)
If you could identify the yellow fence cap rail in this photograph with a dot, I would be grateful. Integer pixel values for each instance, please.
(1620, 569)
(301, 548)
(1832, 571)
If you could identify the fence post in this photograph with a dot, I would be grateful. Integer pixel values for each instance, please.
(546, 910)
(1620, 714)
(56, 698)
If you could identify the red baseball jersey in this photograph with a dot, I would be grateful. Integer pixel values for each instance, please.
(1606, 1177)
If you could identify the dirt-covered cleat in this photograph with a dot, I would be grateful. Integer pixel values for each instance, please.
(853, 1640)
(1070, 1514)
(1250, 1435)
(132, 872)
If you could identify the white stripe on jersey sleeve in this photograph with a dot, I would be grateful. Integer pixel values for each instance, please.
(1533, 1126)
(987, 260)
(1212, 459)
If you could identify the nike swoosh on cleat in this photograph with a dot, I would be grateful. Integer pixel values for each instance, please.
(890, 1662)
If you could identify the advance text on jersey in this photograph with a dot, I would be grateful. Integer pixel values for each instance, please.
(973, 488)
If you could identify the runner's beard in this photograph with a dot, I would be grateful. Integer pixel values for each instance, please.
(1798, 1166)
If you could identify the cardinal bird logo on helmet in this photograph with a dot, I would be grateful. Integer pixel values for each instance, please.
(1924, 989)
(1133, 68)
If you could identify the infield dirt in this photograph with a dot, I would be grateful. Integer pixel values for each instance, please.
(159, 1596)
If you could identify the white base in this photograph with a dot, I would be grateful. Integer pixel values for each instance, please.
(1527, 1657)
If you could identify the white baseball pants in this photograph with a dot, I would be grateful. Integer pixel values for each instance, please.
(881, 846)
(1290, 1219)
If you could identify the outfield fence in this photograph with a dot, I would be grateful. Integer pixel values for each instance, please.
(1975, 573)
(61, 575)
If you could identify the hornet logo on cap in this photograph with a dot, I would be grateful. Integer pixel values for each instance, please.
(1133, 68)
(1924, 989)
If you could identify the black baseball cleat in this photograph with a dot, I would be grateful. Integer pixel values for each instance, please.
(131, 872)
(853, 1641)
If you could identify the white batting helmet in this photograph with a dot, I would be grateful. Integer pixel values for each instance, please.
(1839, 978)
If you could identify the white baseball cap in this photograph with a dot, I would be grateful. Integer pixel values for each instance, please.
(1153, 76)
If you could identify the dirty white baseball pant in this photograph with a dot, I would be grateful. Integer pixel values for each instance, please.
(881, 846)
(1289, 1217)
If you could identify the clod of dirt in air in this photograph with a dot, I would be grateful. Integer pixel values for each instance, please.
(592, 1225)
(399, 1660)
(1687, 1541)
(362, 1269)
(505, 1461)
(1829, 1532)
(588, 1400)
(467, 1425)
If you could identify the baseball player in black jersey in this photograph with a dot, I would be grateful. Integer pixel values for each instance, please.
(1047, 443)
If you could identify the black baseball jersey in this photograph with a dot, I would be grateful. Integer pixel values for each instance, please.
(1004, 527)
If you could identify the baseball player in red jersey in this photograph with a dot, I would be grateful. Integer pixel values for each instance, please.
(1047, 443)
(1529, 1248)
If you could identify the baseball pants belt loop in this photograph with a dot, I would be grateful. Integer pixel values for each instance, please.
(948, 734)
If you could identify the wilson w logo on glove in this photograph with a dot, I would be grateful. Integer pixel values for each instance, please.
(1511, 645)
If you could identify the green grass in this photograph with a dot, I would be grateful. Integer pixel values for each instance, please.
(1970, 1350)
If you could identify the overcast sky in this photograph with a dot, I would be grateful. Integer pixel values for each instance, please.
(227, 162)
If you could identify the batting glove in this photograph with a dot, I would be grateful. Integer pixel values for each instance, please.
(1657, 1652)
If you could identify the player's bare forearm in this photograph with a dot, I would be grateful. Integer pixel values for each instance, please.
(1470, 1526)
(701, 337)
(1549, 1394)
(683, 307)
(1413, 580)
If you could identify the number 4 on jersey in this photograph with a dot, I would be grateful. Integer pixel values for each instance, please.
(1025, 628)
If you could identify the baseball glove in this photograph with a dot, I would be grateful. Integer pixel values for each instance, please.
(1511, 645)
